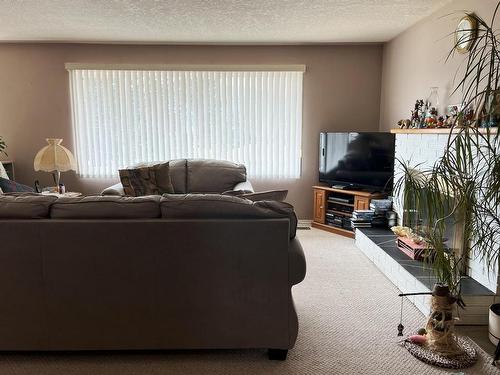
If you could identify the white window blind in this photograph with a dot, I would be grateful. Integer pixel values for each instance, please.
(122, 117)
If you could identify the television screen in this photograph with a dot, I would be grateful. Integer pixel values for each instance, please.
(357, 160)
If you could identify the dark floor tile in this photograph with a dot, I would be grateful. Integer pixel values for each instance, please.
(385, 239)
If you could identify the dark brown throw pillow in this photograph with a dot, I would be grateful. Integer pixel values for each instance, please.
(9, 186)
(268, 195)
(151, 180)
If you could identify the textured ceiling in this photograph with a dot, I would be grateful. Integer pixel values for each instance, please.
(210, 21)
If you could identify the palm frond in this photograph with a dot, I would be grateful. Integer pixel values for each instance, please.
(463, 187)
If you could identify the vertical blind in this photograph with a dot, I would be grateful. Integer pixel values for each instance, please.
(123, 117)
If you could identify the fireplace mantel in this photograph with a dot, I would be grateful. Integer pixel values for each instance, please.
(438, 131)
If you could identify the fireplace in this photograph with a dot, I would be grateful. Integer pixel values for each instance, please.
(453, 225)
(423, 150)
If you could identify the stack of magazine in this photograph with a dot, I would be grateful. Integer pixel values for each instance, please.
(376, 216)
(380, 209)
(362, 218)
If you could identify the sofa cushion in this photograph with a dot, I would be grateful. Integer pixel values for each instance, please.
(216, 206)
(178, 175)
(106, 207)
(25, 206)
(9, 186)
(147, 180)
(213, 176)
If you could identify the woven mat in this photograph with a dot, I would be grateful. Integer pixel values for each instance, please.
(461, 361)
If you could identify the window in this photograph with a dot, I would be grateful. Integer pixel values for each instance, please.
(125, 116)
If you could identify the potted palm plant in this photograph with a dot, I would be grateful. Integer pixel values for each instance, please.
(463, 186)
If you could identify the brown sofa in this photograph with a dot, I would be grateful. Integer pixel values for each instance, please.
(173, 272)
(200, 176)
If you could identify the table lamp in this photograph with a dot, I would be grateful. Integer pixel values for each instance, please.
(54, 158)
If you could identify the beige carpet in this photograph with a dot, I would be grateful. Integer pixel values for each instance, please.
(348, 313)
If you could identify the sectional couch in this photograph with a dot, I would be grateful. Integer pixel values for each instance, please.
(200, 176)
(183, 271)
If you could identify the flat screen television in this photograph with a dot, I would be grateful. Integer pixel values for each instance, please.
(357, 161)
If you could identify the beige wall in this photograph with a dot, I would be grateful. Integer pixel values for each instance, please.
(341, 92)
(416, 60)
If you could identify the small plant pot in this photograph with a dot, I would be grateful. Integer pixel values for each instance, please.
(494, 323)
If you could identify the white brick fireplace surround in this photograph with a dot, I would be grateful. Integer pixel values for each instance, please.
(379, 246)
(426, 149)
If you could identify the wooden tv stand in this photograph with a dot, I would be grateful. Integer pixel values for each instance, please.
(324, 201)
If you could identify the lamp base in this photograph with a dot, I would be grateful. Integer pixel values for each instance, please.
(57, 178)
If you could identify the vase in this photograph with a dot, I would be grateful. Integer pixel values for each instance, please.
(494, 323)
(440, 326)
(433, 98)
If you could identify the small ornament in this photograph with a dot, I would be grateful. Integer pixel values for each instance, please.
(418, 339)
(452, 118)
(400, 329)
(400, 325)
(418, 114)
(402, 231)
(440, 122)
(430, 122)
(469, 117)
(404, 124)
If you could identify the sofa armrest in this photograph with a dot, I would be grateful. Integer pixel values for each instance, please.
(116, 189)
(296, 262)
(244, 187)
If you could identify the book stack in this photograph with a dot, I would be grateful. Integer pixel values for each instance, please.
(380, 209)
(333, 219)
(362, 218)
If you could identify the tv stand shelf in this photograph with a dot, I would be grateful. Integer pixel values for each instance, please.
(335, 205)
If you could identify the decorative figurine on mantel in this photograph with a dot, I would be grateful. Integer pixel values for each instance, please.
(425, 114)
(441, 122)
(418, 114)
(431, 118)
(404, 124)
(469, 117)
(488, 110)
(417, 117)
(460, 118)
(452, 116)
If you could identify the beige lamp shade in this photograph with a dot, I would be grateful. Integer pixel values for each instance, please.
(54, 157)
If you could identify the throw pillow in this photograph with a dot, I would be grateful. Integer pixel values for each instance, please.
(8, 186)
(268, 195)
(152, 180)
(234, 193)
(3, 172)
